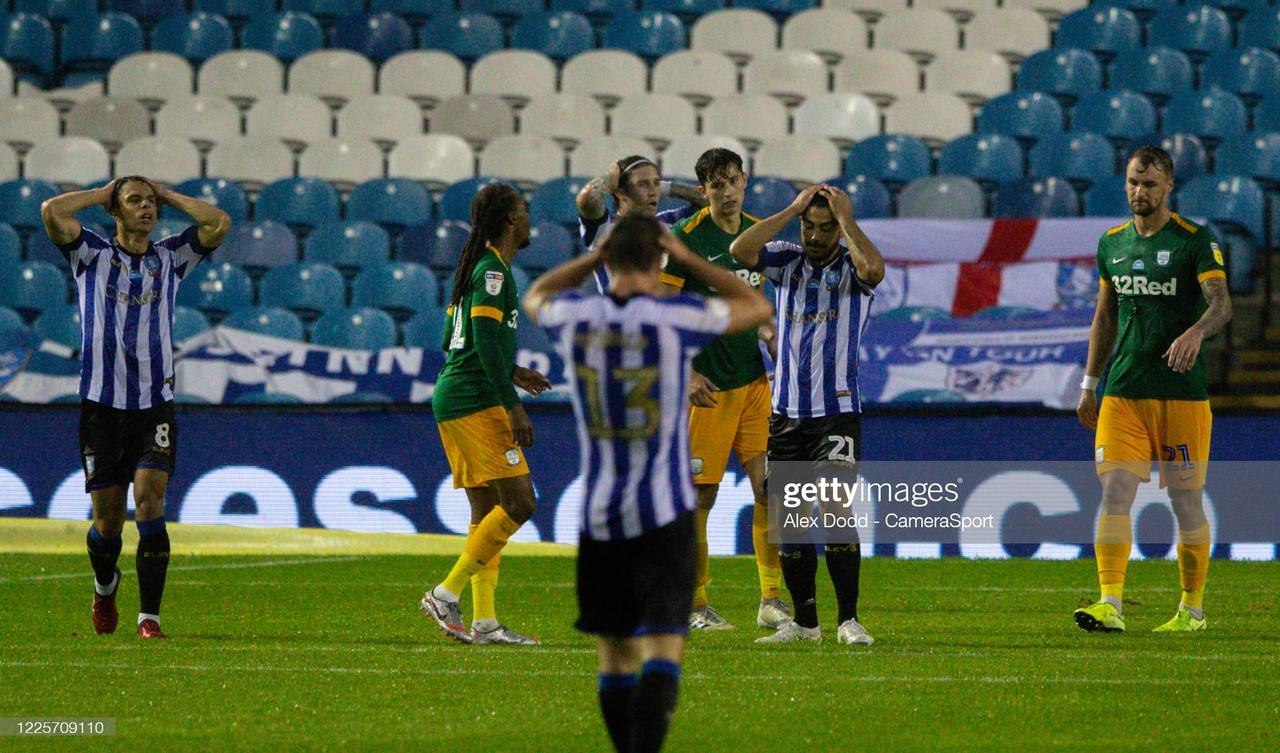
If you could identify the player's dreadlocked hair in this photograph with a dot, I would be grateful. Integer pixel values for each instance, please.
(1154, 155)
(634, 244)
(489, 210)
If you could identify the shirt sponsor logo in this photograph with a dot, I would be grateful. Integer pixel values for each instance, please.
(1138, 265)
(802, 317)
(1140, 285)
(493, 282)
(1217, 253)
(120, 296)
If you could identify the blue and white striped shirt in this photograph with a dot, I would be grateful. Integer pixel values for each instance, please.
(593, 230)
(126, 315)
(821, 315)
(630, 377)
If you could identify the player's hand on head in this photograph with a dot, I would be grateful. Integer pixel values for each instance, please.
(841, 205)
(701, 391)
(802, 199)
(521, 426)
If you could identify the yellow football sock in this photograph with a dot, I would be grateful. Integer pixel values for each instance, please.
(482, 546)
(483, 586)
(1112, 547)
(767, 562)
(704, 566)
(1193, 564)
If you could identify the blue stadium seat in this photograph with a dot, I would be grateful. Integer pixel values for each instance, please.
(870, 197)
(378, 36)
(1101, 30)
(766, 196)
(1081, 158)
(195, 36)
(402, 289)
(393, 203)
(167, 226)
(26, 44)
(468, 36)
(1212, 115)
(13, 332)
(1256, 155)
(260, 245)
(300, 203)
(506, 11)
(216, 289)
(1024, 115)
(146, 11)
(40, 248)
(361, 328)
(224, 194)
(1251, 72)
(1156, 72)
(60, 325)
(1119, 115)
(455, 202)
(779, 9)
(649, 34)
(272, 321)
(57, 11)
(35, 288)
(237, 11)
(426, 330)
(1036, 197)
(437, 246)
(1198, 31)
(989, 158)
(10, 248)
(1067, 73)
(688, 11)
(1235, 201)
(559, 34)
(1107, 198)
(20, 202)
(349, 246)
(91, 44)
(1260, 27)
(1190, 158)
(187, 323)
(1144, 9)
(327, 11)
(895, 159)
(415, 12)
(556, 201)
(307, 289)
(287, 35)
(549, 244)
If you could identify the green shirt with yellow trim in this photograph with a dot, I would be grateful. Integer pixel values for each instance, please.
(1156, 280)
(480, 338)
(729, 361)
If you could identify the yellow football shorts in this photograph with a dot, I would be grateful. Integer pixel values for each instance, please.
(739, 421)
(1175, 433)
(480, 448)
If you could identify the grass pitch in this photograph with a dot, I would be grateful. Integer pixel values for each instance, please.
(325, 650)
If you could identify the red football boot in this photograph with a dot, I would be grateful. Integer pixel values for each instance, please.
(104, 611)
(150, 629)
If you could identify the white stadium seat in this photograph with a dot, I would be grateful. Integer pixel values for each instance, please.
(252, 161)
(514, 75)
(789, 75)
(68, 161)
(151, 77)
(679, 158)
(697, 75)
(962, 10)
(592, 157)
(658, 117)
(830, 33)
(882, 75)
(475, 118)
(753, 118)
(297, 119)
(568, 118)
(26, 120)
(170, 159)
(974, 75)
(243, 76)
(436, 159)
(343, 162)
(843, 117)
(1012, 32)
(110, 120)
(382, 118)
(607, 75)
(524, 160)
(799, 159)
(9, 165)
(205, 120)
(335, 76)
(425, 76)
(935, 118)
(740, 33)
(922, 33)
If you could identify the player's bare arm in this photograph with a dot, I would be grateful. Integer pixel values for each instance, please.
(688, 193)
(747, 306)
(1184, 350)
(213, 223)
(591, 199)
(566, 276)
(59, 213)
(867, 259)
(746, 247)
(1102, 339)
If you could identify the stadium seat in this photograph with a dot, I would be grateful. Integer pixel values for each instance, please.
(60, 325)
(682, 154)
(549, 244)
(647, 34)
(243, 76)
(1198, 31)
(1260, 27)
(146, 11)
(237, 11)
(300, 203)
(894, 158)
(336, 76)
(1080, 157)
(437, 246)
(1156, 72)
(1104, 31)
(251, 161)
(1190, 158)
(393, 203)
(167, 226)
(697, 75)
(660, 118)
(385, 119)
(1024, 115)
(507, 11)
(607, 75)
(592, 157)
(424, 76)
(376, 36)
(194, 36)
(110, 120)
(870, 198)
(220, 192)
(89, 46)
(343, 162)
(989, 158)
(567, 118)
(765, 196)
(1067, 73)
(1013, 32)
(168, 159)
(68, 161)
(13, 332)
(329, 11)
(1266, 116)
(455, 201)
(37, 287)
(1144, 9)
(973, 75)
(913, 314)
(26, 120)
(1250, 73)
(187, 323)
(523, 160)
(1035, 197)
(687, 11)
(1212, 115)
(880, 74)
(151, 78)
(1256, 155)
(952, 197)
(1120, 115)
(8, 163)
(1231, 200)
(426, 330)
(402, 289)
(468, 36)
(307, 289)
(790, 75)
(935, 118)
(514, 75)
(555, 201)
(753, 118)
(741, 33)
(1106, 198)
(296, 119)
(348, 246)
(259, 245)
(436, 159)
(10, 249)
(361, 328)
(271, 321)
(560, 35)
(286, 36)
(57, 11)
(475, 118)
(830, 33)
(216, 290)
(923, 34)
(20, 202)
(26, 44)
(779, 9)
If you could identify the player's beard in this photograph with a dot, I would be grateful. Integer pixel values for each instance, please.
(1147, 208)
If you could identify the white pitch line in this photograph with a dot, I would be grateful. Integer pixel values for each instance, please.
(181, 568)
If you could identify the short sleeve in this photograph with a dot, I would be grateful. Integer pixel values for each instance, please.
(488, 292)
(87, 245)
(775, 256)
(671, 216)
(1103, 279)
(187, 250)
(1208, 255)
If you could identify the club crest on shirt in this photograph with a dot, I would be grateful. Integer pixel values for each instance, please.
(832, 279)
(493, 282)
(152, 264)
